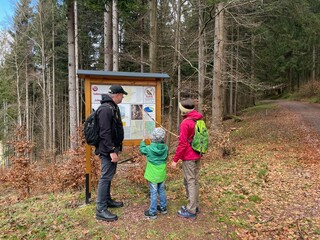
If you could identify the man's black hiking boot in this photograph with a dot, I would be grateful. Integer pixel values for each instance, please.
(105, 215)
(114, 204)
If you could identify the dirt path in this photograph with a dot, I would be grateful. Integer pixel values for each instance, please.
(308, 112)
(309, 116)
(293, 207)
(305, 202)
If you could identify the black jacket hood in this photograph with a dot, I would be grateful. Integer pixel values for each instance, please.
(106, 98)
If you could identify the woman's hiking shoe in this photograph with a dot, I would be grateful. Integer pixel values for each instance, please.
(186, 214)
(149, 215)
(105, 215)
(184, 208)
(162, 210)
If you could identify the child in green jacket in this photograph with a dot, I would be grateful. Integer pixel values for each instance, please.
(155, 173)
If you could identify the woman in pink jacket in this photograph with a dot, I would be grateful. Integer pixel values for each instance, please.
(190, 158)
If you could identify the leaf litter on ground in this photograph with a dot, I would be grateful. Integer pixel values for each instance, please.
(267, 188)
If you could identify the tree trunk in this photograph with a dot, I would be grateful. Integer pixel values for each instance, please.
(177, 69)
(170, 113)
(201, 60)
(236, 74)
(72, 75)
(217, 94)
(142, 42)
(178, 57)
(43, 78)
(231, 78)
(108, 37)
(115, 34)
(27, 103)
(53, 86)
(5, 131)
(76, 64)
(252, 76)
(18, 88)
(153, 36)
(313, 62)
(49, 92)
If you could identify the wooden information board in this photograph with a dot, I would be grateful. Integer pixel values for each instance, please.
(140, 109)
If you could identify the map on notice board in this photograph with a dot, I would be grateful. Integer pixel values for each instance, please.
(138, 109)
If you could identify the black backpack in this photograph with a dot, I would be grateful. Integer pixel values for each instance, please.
(91, 128)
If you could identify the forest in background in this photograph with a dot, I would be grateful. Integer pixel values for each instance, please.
(225, 54)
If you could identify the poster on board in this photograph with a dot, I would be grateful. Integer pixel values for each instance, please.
(138, 109)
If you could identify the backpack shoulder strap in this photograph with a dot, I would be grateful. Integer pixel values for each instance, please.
(106, 105)
(114, 110)
(193, 119)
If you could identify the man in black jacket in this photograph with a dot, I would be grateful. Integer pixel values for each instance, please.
(111, 137)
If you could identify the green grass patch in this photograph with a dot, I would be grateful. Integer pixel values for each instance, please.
(260, 107)
(262, 173)
(254, 198)
(315, 99)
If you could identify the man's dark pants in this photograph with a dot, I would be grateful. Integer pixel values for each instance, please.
(108, 169)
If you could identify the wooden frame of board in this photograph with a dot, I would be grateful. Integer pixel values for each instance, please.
(128, 80)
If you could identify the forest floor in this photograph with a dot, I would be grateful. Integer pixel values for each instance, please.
(267, 188)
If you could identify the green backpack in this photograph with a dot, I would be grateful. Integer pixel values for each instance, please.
(201, 137)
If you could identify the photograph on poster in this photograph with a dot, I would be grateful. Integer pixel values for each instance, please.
(138, 109)
(136, 112)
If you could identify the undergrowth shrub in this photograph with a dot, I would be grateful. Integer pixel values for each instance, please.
(71, 172)
(136, 173)
(95, 169)
(42, 176)
(220, 141)
(67, 172)
(20, 174)
(309, 90)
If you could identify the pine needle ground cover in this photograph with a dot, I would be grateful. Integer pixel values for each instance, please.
(267, 188)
